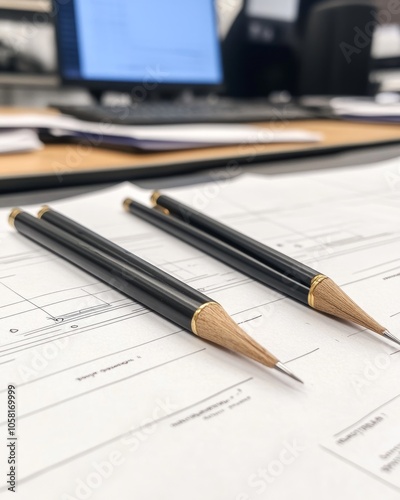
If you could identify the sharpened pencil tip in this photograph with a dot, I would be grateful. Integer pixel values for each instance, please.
(391, 337)
(283, 369)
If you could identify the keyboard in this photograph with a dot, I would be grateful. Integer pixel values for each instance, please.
(198, 111)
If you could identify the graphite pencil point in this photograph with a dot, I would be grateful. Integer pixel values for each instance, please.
(391, 337)
(283, 369)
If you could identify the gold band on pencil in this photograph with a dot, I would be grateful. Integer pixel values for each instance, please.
(314, 283)
(42, 211)
(196, 315)
(127, 203)
(13, 214)
(154, 197)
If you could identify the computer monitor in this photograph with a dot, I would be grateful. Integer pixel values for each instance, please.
(114, 44)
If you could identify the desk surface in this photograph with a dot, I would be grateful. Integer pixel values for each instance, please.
(72, 164)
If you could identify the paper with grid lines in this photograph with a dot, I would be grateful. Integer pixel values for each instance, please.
(116, 402)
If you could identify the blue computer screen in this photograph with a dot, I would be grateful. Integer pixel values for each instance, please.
(156, 41)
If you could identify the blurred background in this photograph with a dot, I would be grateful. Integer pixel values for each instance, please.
(267, 48)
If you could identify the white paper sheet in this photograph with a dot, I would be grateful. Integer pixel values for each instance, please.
(385, 108)
(159, 136)
(116, 402)
(373, 442)
(19, 141)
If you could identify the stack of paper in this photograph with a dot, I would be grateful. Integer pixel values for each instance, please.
(367, 109)
(19, 141)
(155, 137)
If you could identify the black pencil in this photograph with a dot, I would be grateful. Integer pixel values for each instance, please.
(206, 319)
(107, 246)
(220, 250)
(269, 256)
(321, 293)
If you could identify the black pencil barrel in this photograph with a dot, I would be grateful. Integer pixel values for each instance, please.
(267, 255)
(70, 226)
(139, 286)
(221, 251)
